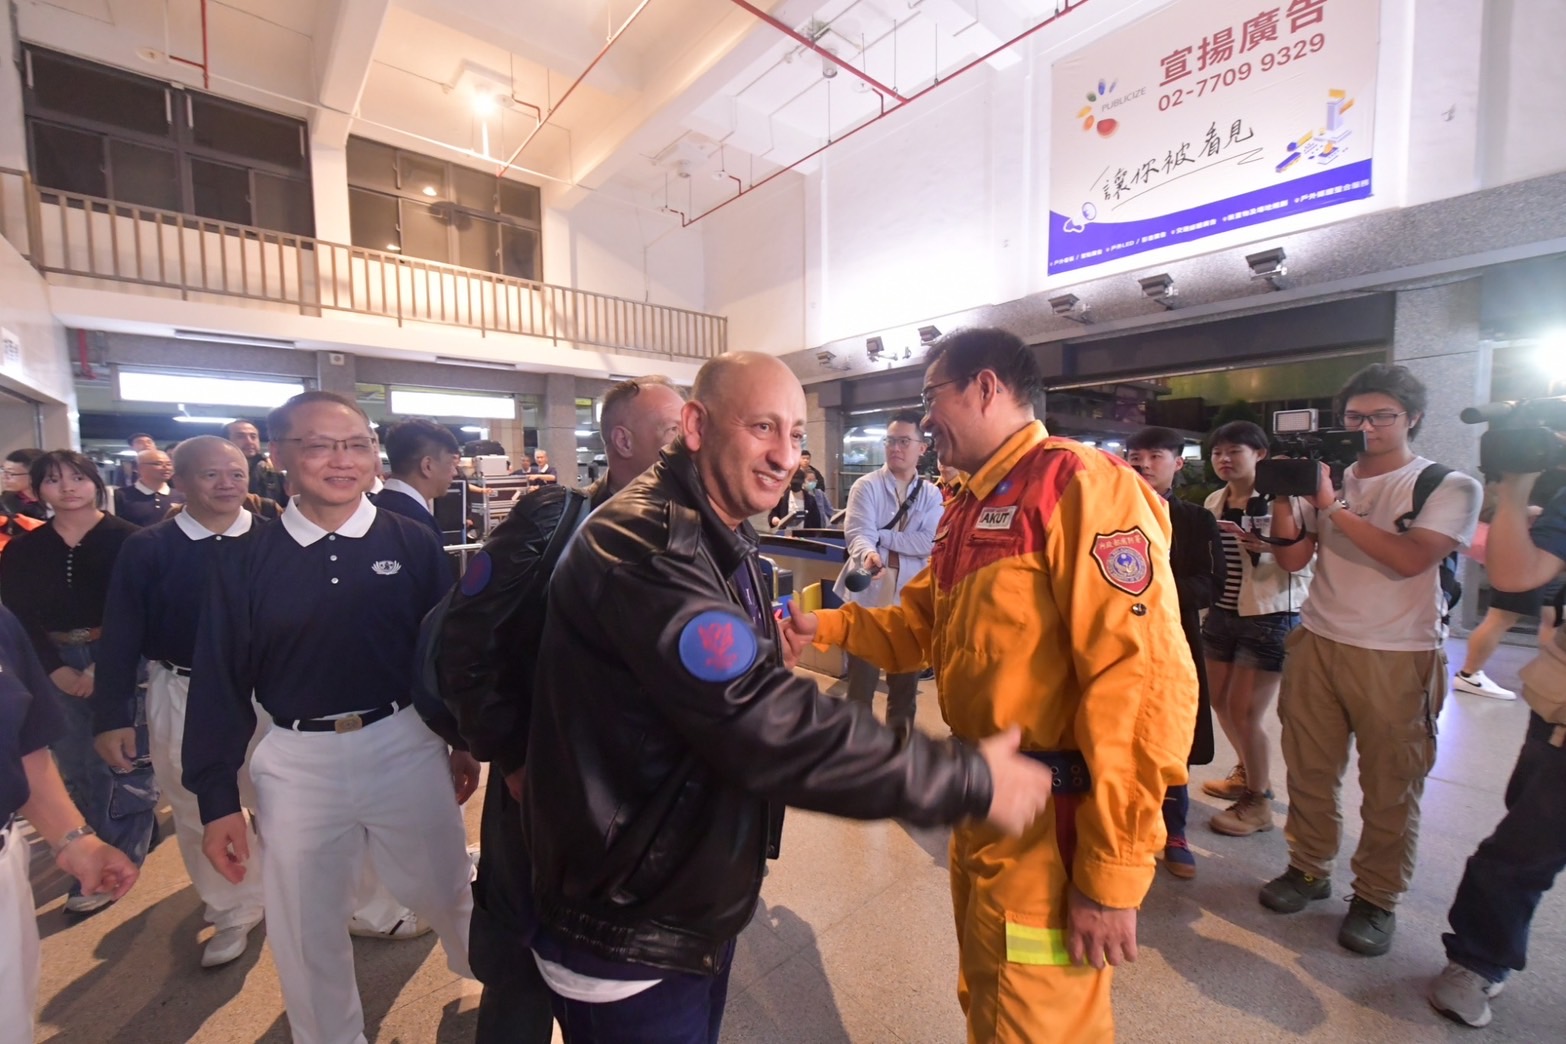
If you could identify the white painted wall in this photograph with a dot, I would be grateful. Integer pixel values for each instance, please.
(43, 373)
(609, 248)
(755, 266)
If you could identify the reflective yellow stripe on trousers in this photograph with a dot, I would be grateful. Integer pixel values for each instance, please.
(1025, 945)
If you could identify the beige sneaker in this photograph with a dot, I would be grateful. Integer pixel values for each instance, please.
(1252, 814)
(1230, 788)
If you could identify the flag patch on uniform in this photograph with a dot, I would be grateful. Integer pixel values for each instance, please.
(480, 568)
(386, 567)
(716, 646)
(1124, 559)
(996, 517)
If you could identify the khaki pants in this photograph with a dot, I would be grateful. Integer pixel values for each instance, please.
(1387, 703)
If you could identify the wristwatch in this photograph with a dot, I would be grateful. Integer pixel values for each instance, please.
(1332, 508)
(75, 835)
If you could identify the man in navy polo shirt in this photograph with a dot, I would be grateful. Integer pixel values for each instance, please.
(423, 458)
(149, 498)
(319, 615)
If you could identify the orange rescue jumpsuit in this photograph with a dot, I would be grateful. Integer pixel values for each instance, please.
(1048, 604)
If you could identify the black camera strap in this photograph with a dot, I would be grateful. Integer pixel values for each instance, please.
(908, 502)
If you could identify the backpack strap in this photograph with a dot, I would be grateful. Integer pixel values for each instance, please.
(1429, 479)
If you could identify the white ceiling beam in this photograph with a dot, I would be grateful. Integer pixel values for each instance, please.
(344, 44)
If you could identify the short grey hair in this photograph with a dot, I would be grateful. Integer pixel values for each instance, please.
(193, 449)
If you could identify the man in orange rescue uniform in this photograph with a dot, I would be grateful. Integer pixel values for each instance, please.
(1048, 604)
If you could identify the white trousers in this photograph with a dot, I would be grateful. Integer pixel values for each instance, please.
(229, 905)
(18, 942)
(325, 799)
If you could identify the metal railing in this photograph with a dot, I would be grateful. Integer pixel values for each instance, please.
(70, 235)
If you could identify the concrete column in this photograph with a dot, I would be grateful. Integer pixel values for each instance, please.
(557, 424)
(329, 185)
(335, 373)
(1436, 335)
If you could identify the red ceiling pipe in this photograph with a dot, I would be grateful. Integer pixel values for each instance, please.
(205, 65)
(574, 84)
(875, 119)
(822, 51)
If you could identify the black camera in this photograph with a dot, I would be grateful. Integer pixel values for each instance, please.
(1292, 467)
(1524, 437)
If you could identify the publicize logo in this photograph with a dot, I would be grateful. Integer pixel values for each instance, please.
(1105, 126)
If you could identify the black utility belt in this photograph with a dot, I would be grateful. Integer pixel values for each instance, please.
(1070, 769)
(174, 668)
(347, 723)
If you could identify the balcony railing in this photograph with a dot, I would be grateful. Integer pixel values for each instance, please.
(70, 235)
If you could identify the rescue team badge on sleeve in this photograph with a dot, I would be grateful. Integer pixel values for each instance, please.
(1124, 559)
(476, 578)
(717, 647)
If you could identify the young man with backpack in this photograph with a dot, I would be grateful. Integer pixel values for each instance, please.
(1366, 663)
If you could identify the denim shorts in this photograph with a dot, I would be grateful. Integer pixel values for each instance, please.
(1251, 641)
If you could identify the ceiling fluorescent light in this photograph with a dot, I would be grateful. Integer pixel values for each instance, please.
(452, 360)
(416, 403)
(185, 418)
(223, 338)
(143, 386)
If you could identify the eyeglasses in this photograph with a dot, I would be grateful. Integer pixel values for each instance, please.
(898, 442)
(320, 449)
(928, 395)
(16, 474)
(1379, 419)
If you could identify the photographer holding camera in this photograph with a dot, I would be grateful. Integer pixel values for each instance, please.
(1366, 663)
(1512, 868)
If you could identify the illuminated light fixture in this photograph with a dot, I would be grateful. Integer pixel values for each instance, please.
(141, 386)
(928, 334)
(225, 338)
(429, 190)
(185, 418)
(1549, 356)
(471, 429)
(1160, 288)
(585, 433)
(1268, 267)
(484, 103)
(408, 402)
(875, 348)
(1070, 306)
(395, 248)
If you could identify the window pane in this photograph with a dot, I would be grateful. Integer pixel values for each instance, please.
(477, 244)
(238, 130)
(421, 177)
(519, 252)
(143, 175)
(372, 165)
(95, 93)
(518, 200)
(284, 204)
(475, 189)
(423, 232)
(221, 191)
(68, 160)
(372, 220)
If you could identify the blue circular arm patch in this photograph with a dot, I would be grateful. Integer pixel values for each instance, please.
(716, 646)
(480, 569)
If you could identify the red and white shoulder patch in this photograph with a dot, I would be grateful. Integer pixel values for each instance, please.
(1125, 559)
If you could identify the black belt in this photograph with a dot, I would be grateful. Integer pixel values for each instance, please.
(174, 668)
(1070, 769)
(347, 723)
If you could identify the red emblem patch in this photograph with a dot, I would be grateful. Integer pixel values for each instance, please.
(1124, 557)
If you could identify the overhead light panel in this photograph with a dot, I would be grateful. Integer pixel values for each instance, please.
(1070, 306)
(1160, 288)
(226, 338)
(185, 418)
(1268, 267)
(411, 402)
(142, 386)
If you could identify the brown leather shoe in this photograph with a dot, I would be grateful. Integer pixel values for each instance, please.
(1252, 814)
(1230, 788)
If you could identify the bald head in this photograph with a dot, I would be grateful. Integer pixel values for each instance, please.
(640, 416)
(744, 426)
(153, 468)
(193, 454)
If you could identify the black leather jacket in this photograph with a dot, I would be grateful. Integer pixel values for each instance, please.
(653, 795)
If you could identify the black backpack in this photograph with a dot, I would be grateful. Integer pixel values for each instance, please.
(1430, 478)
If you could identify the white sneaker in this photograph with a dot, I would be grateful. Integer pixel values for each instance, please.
(86, 904)
(1479, 684)
(408, 927)
(226, 945)
(1463, 995)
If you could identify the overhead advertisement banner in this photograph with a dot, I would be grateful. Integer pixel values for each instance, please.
(1210, 115)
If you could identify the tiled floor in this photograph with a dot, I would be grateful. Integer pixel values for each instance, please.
(854, 942)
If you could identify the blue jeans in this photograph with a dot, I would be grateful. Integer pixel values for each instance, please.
(120, 806)
(682, 1009)
(1513, 867)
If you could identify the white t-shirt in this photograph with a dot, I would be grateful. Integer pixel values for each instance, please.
(1354, 599)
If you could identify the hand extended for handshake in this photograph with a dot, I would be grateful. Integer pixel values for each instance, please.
(1021, 785)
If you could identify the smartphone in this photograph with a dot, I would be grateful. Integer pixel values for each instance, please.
(1229, 527)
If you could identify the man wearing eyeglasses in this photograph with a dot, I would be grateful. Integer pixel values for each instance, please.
(318, 615)
(1366, 663)
(889, 528)
(1046, 606)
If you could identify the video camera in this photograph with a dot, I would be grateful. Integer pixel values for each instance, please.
(1525, 436)
(1292, 469)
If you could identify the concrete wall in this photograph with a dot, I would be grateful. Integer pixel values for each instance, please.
(41, 372)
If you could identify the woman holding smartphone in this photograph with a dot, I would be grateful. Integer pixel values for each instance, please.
(1242, 636)
(56, 580)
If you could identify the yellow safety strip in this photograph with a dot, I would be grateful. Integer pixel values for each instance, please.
(1025, 945)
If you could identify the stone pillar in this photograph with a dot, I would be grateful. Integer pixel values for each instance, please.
(1436, 334)
(557, 424)
(335, 372)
